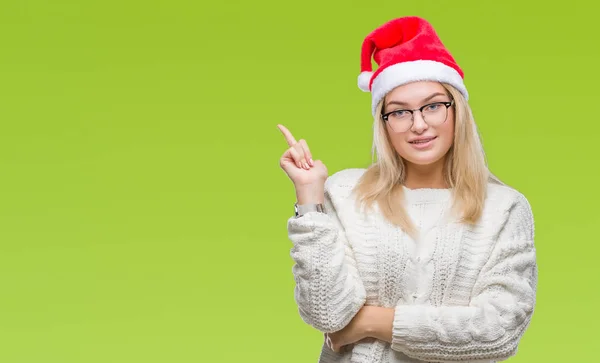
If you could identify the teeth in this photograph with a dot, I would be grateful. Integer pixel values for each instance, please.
(421, 141)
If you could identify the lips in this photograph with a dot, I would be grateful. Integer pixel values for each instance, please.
(423, 140)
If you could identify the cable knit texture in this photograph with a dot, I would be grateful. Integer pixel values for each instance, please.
(460, 293)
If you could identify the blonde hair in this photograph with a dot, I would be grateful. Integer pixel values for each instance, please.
(465, 170)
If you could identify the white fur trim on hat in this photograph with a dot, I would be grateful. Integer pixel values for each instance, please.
(420, 70)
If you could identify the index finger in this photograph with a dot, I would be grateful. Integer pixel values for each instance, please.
(288, 135)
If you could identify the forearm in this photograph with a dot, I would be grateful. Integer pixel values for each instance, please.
(445, 333)
(459, 333)
(328, 289)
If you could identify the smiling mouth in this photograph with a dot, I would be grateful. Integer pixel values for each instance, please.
(424, 141)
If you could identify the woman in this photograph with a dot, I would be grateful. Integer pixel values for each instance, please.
(424, 255)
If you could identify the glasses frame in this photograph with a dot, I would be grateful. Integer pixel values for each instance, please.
(448, 104)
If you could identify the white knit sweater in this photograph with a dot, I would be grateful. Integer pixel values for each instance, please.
(461, 293)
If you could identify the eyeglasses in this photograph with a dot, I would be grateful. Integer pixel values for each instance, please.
(434, 114)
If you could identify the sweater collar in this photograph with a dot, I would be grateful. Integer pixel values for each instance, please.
(427, 195)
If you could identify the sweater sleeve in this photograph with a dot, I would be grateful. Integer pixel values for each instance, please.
(328, 291)
(501, 308)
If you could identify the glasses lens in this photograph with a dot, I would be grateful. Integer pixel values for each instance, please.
(435, 114)
(400, 121)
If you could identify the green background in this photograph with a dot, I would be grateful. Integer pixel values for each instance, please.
(143, 211)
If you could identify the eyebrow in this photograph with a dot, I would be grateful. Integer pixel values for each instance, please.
(400, 103)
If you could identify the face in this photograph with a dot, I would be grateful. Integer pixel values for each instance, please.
(420, 143)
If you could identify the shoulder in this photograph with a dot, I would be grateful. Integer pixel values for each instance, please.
(344, 180)
(340, 186)
(513, 207)
(505, 197)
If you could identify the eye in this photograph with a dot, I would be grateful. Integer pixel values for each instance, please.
(433, 107)
(399, 114)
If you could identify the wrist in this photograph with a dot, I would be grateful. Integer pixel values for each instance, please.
(378, 323)
(365, 323)
(310, 194)
(369, 326)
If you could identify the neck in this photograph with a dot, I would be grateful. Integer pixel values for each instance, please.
(425, 176)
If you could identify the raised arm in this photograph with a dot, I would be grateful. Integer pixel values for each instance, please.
(329, 291)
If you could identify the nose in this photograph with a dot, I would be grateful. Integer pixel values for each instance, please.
(419, 125)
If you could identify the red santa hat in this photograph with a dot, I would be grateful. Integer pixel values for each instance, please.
(406, 50)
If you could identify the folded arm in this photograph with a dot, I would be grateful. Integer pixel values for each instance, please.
(491, 326)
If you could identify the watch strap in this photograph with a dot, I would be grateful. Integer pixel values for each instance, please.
(301, 209)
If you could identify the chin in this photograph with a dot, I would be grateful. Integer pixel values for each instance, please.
(423, 158)
(423, 161)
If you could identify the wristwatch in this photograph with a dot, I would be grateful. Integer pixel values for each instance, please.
(301, 209)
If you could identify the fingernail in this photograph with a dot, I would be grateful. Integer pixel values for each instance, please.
(311, 162)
